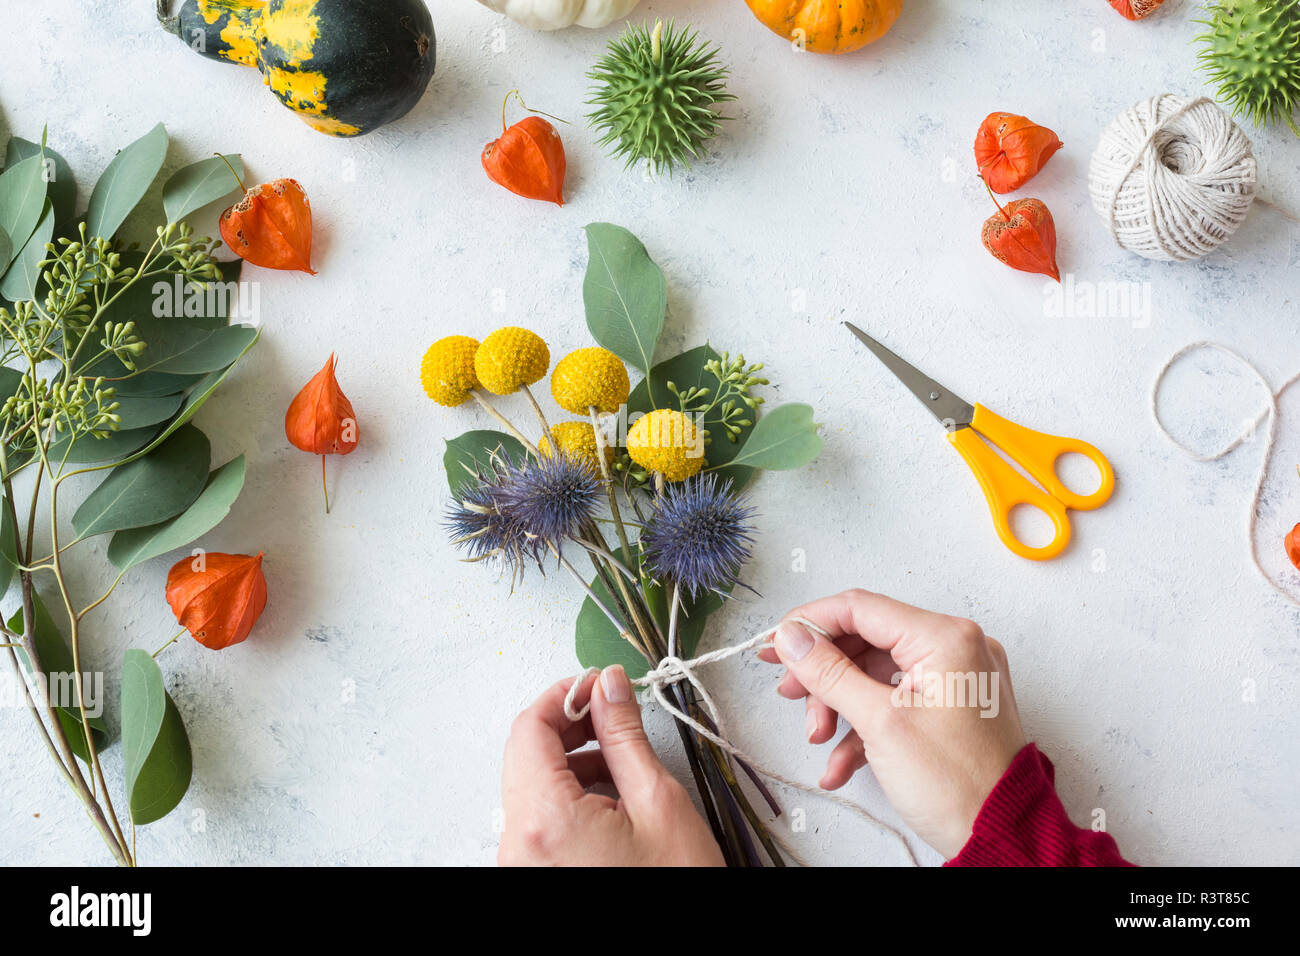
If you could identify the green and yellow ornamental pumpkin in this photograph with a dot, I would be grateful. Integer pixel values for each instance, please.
(828, 26)
(345, 67)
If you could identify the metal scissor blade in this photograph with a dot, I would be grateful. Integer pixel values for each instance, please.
(952, 411)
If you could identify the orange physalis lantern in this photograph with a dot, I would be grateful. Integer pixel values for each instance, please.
(320, 419)
(1135, 9)
(527, 158)
(270, 226)
(217, 597)
(1022, 235)
(1010, 149)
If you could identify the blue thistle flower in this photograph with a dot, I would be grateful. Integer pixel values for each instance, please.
(550, 498)
(477, 524)
(699, 535)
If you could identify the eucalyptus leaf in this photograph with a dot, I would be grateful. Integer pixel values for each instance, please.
(8, 546)
(22, 198)
(24, 275)
(56, 662)
(597, 641)
(150, 489)
(125, 182)
(136, 545)
(198, 396)
(472, 451)
(624, 293)
(139, 411)
(154, 385)
(179, 347)
(60, 184)
(193, 187)
(156, 757)
(784, 438)
(6, 251)
(10, 380)
(88, 451)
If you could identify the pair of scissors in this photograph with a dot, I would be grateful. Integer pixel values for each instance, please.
(1003, 486)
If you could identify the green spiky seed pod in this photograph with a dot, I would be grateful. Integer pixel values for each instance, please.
(1252, 53)
(657, 95)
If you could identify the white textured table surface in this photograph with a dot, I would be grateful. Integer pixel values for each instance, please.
(844, 189)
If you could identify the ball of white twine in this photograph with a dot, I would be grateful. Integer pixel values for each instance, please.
(1173, 177)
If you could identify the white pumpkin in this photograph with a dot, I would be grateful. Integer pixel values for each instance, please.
(558, 14)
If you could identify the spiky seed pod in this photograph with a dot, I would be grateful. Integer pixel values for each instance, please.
(657, 95)
(1252, 53)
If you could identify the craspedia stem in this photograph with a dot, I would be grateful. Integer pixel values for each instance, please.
(504, 422)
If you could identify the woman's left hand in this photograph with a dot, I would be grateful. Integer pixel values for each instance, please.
(550, 817)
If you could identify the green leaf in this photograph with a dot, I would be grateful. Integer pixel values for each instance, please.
(24, 273)
(624, 293)
(22, 198)
(156, 758)
(6, 249)
(179, 347)
(784, 438)
(56, 661)
(137, 411)
(205, 389)
(136, 545)
(60, 184)
(685, 371)
(596, 639)
(87, 450)
(125, 182)
(150, 489)
(193, 187)
(154, 385)
(471, 451)
(8, 546)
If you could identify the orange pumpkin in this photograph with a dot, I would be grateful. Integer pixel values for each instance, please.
(828, 26)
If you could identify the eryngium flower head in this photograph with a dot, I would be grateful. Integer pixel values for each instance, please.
(550, 498)
(699, 535)
(477, 525)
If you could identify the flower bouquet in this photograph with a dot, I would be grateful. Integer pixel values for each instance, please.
(664, 465)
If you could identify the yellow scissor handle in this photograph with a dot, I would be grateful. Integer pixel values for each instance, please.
(1037, 453)
(1004, 487)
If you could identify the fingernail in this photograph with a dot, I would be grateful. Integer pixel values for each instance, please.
(614, 682)
(810, 724)
(793, 642)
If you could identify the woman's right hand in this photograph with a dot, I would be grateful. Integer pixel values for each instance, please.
(939, 740)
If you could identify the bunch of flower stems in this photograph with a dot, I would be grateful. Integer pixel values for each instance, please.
(744, 837)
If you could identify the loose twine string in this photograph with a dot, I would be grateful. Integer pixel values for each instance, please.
(1173, 177)
(1270, 412)
(673, 670)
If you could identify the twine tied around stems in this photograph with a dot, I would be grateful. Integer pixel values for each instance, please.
(673, 670)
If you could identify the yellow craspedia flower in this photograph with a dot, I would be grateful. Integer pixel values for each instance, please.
(667, 442)
(577, 440)
(447, 370)
(510, 358)
(588, 378)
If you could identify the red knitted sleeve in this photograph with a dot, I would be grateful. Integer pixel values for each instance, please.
(1023, 823)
